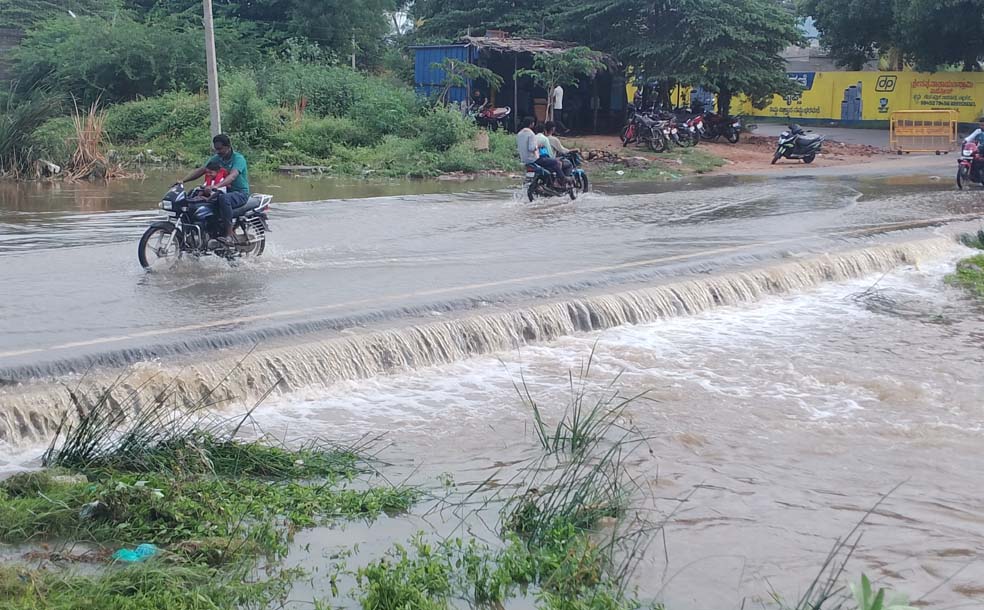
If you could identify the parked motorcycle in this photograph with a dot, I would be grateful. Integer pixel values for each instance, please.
(642, 128)
(192, 226)
(490, 117)
(794, 143)
(541, 183)
(970, 165)
(716, 125)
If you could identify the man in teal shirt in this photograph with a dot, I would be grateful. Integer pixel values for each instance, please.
(236, 182)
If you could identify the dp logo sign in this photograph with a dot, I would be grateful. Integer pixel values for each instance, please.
(886, 83)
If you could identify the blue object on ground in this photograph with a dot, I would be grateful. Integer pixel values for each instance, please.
(141, 553)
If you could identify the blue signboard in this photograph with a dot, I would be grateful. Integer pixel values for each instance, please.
(803, 78)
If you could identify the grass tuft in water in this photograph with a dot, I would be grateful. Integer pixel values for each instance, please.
(969, 275)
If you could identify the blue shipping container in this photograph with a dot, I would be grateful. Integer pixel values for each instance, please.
(429, 80)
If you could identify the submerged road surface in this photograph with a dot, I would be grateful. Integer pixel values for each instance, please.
(74, 294)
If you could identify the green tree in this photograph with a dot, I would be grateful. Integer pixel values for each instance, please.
(24, 14)
(460, 73)
(730, 47)
(451, 19)
(855, 31)
(118, 59)
(929, 34)
(566, 68)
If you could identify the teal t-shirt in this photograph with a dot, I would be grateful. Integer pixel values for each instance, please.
(236, 161)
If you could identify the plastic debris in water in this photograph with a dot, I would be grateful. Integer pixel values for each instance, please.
(141, 553)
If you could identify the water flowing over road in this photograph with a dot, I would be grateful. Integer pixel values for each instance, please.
(801, 352)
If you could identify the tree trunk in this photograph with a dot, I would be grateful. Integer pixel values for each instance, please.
(724, 101)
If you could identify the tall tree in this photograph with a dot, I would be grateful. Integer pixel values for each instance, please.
(450, 19)
(730, 47)
(855, 31)
(927, 33)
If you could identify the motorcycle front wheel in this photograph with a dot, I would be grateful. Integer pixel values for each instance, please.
(732, 136)
(776, 157)
(157, 250)
(657, 141)
(962, 175)
(585, 183)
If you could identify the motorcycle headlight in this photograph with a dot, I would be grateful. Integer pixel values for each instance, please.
(164, 205)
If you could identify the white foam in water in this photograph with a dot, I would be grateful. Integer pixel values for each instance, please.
(792, 353)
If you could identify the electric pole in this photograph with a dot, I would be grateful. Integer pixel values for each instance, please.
(213, 75)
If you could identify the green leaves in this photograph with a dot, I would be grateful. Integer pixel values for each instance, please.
(929, 34)
(882, 600)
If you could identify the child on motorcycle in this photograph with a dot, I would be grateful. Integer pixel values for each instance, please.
(566, 155)
(546, 158)
(214, 174)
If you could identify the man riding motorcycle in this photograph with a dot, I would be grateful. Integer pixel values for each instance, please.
(977, 137)
(237, 182)
(534, 149)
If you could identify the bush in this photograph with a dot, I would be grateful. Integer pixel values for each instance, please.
(112, 60)
(169, 115)
(244, 114)
(318, 137)
(55, 140)
(379, 106)
(442, 128)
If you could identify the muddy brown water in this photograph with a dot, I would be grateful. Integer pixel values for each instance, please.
(788, 387)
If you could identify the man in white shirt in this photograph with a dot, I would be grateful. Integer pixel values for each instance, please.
(526, 142)
(557, 96)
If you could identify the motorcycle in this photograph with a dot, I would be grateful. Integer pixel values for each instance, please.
(716, 125)
(580, 177)
(192, 226)
(970, 165)
(490, 117)
(794, 143)
(542, 183)
(641, 127)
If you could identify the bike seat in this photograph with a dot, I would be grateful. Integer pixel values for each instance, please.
(809, 138)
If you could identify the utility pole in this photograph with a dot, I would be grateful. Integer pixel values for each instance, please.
(213, 75)
(353, 51)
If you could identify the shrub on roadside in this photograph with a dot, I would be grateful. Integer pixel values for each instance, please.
(169, 115)
(442, 128)
(54, 140)
(246, 116)
(318, 137)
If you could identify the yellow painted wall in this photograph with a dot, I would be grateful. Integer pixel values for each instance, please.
(881, 94)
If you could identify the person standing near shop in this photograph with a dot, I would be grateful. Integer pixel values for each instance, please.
(557, 96)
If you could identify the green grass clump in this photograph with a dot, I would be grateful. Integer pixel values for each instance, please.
(969, 275)
(140, 587)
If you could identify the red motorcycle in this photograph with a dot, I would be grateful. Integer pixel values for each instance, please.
(716, 125)
(490, 117)
(969, 165)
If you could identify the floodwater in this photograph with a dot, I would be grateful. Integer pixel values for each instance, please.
(788, 419)
(800, 353)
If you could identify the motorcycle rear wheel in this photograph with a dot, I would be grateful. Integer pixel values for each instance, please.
(531, 191)
(250, 233)
(809, 159)
(626, 135)
(153, 251)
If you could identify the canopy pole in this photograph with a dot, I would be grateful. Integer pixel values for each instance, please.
(515, 93)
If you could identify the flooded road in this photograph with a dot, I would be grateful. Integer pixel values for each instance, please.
(76, 296)
(800, 352)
